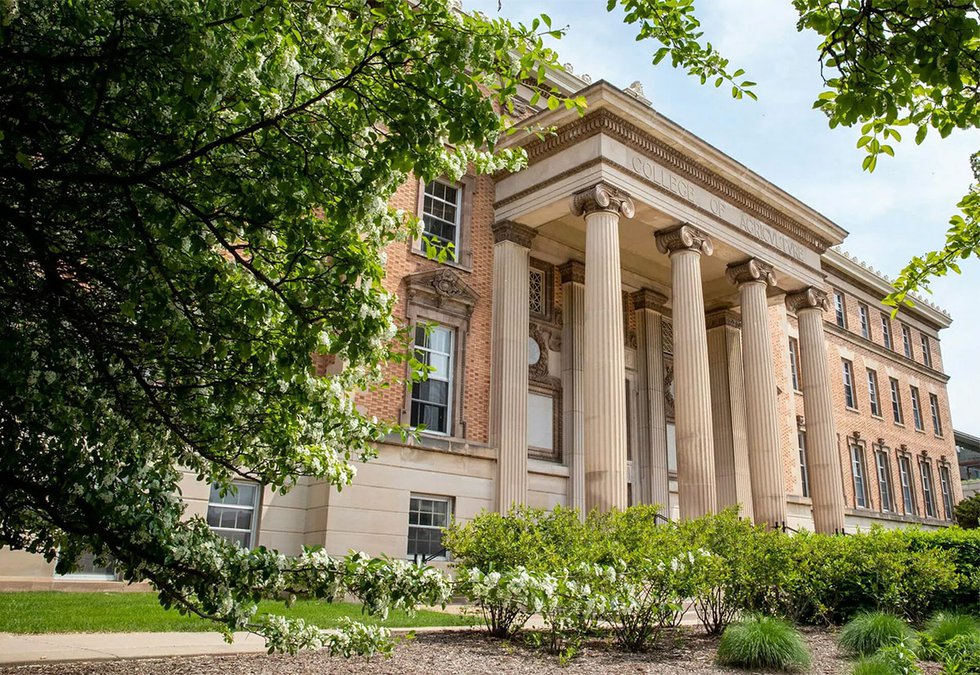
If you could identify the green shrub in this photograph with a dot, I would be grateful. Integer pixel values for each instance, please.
(868, 632)
(968, 513)
(961, 654)
(962, 547)
(944, 626)
(895, 659)
(763, 642)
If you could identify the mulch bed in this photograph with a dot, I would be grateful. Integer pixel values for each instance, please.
(684, 652)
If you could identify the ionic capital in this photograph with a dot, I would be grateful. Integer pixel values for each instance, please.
(572, 272)
(750, 271)
(647, 298)
(808, 298)
(602, 197)
(507, 230)
(684, 237)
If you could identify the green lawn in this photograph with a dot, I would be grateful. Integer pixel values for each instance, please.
(57, 612)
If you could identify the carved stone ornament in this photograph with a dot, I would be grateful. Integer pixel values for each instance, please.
(507, 230)
(808, 298)
(667, 335)
(750, 271)
(602, 197)
(538, 372)
(573, 271)
(683, 237)
(722, 317)
(441, 288)
(669, 389)
(647, 298)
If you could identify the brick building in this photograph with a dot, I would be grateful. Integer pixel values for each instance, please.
(633, 318)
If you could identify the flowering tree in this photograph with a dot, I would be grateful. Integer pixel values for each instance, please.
(194, 205)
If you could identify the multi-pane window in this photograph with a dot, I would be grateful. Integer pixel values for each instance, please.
(804, 470)
(916, 409)
(431, 397)
(907, 341)
(937, 424)
(857, 471)
(440, 215)
(946, 488)
(896, 400)
(794, 363)
(926, 351)
(537, 283)
(865, 320)
(884, 480)
(873, 397)
(886, 331)
(234, 515)
(928, 494)
(427, 517)
(908, 493)
(850, 399)
(840, 313)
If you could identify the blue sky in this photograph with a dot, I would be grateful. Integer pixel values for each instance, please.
(899, 211)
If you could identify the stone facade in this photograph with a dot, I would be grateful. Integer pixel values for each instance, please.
(617, 329)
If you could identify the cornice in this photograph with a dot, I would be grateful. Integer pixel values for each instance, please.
(605, 122)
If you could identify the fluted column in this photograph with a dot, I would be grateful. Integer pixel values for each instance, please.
(508, 370)
(605, 362)
(728, 411)
(823, 459)
(650, 459)
(692, 388)
(753, 277)
(572, 379)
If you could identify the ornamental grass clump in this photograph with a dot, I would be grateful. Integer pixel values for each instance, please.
(868, 632)
(763, 642)
(944, 626)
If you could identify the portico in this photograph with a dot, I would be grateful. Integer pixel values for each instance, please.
(636, 210)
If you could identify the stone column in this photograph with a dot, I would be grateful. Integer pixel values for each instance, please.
(692, 388)
(728, 411)
(826, 485)
(605, 361)
(753, 277)
(572, 359)
(650, 458)
(508, 369)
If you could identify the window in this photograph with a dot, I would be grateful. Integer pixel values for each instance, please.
(794, 364)
(804, 470)
(849, 397)
(536, 292)
(886, 331)
(873, 398)
(427, 516)
(916, 409)
(857, 471)
(233, 515)
(87, 569)
(896, 400)
(441, 207)
(884, 480)
(937, 425)
(865, 320)
(928, 496)
(840, 314)
(908, 494)
(907, 341)
(431, 397)
(947, 490)
(926, 351)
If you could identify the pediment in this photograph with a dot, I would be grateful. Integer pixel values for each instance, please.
(442, 288)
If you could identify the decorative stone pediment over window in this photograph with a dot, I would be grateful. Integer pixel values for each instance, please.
(441, 289)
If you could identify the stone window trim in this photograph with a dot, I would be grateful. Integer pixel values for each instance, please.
(416, 506)
(937, 415)
(218, 506)
(927, 479)
(441, 297)
(918, 420)
(547, 290)
(926, 346)
(840, 308)
(907, 349)
(946, 488)
(796, 379)
(856, 455)
(895, 393)
(865, 315)
(464, 252)
(874, 394)
(883, 465)
(886, 332)
(850, 392)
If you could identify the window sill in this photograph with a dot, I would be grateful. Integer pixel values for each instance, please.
(852, 409)
(878, 417)
(455, 264)
(899, 424)
(921, 431)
